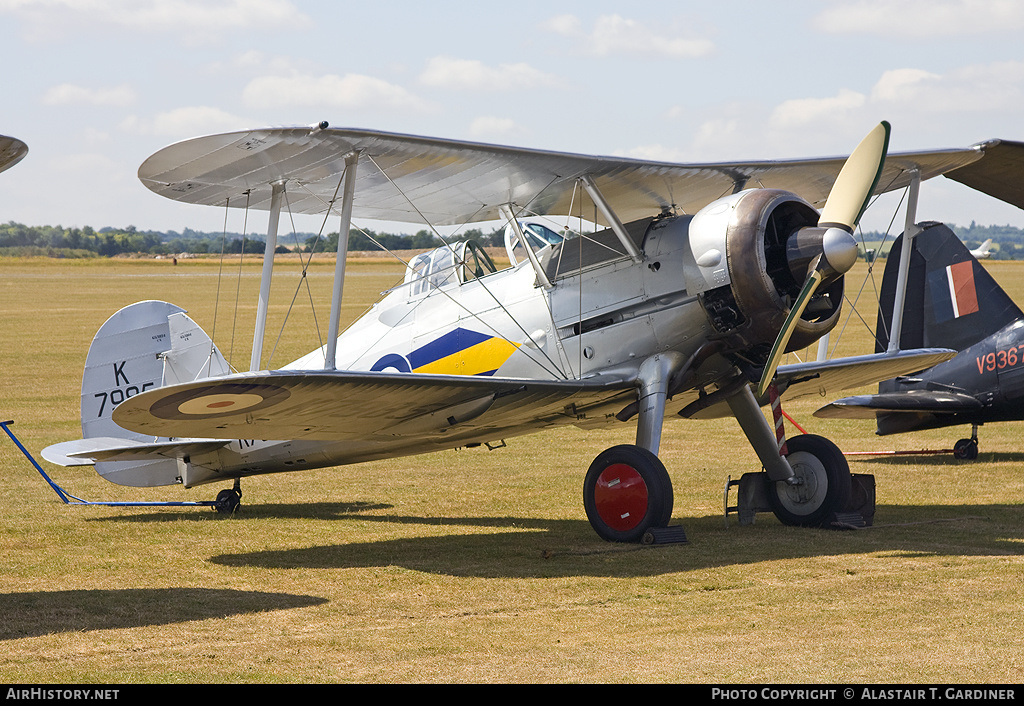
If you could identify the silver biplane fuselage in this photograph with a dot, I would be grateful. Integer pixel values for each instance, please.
(456, 315)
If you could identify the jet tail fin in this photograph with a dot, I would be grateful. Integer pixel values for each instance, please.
(951, 301)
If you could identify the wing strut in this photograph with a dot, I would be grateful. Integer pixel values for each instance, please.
(590, 186)
(351, 161)
(542, 276)
(276, 196)
(910, 231)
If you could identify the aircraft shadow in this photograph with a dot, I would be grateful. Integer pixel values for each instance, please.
(298, 511)
(561, 548)
(943, 459)
(45, 612)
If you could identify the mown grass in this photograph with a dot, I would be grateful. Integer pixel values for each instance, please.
(475, 565)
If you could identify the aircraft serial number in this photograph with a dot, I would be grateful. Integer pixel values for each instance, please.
(117, 396)
(998, 360)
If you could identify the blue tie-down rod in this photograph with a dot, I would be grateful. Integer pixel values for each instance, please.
(69, 499)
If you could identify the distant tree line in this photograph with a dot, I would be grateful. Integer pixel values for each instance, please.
(363, 239)
(57, 241)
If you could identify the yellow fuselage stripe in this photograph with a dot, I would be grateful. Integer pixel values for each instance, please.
(482, 358)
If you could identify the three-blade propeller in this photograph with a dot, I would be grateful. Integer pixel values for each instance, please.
(843, 209)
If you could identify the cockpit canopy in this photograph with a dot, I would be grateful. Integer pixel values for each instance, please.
(539, 235)
(448, 264)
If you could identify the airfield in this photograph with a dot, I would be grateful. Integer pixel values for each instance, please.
(476, 565)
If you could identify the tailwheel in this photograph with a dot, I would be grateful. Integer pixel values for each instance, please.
(626, 492)
(823, 486)
(966, 449)
(228, 500)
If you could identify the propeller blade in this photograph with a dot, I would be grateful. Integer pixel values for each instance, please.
(857, 179)
(845, 205)
(795, 312)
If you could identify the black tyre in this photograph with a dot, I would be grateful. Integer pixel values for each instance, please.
(626, 492)
(227, 501)
(825, 483)
(966, 449)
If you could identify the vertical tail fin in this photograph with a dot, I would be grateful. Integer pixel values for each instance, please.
(951, 301)
(145, 345)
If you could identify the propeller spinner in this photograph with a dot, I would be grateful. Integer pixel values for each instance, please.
(830, 248)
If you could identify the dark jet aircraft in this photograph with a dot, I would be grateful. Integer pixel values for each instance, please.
(952, 302)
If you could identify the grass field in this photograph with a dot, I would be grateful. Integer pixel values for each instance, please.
(475, 565)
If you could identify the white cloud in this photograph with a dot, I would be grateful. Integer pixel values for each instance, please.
(70, 94)
(351, 91)
(802, 111)
(565, 25)
(186, 122)
(473, 75)
(899, 84)
(614, 35)
(922, 18)
(970, 89)
(46, 18)
(489, 126)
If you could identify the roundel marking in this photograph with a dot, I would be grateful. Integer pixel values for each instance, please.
(394, 361)
(223, 400)
(211, 404)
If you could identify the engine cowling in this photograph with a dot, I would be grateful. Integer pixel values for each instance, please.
(754, 250)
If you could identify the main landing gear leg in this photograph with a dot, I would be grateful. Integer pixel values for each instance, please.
(967, 449)
(627, 490)
(808, 485)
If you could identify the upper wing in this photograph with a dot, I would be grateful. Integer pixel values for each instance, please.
(12, 151)
(830, 376)
(999, 174)
(344, 405)
(455, 182)
(914, 401)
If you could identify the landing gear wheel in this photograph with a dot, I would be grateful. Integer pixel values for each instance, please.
(626, 492)
(824, 486)
(227, 501)
(966, 449)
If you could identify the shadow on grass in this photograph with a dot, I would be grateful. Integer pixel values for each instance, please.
(563, 548)
(933, 459)
(294, 511)
(45, 612)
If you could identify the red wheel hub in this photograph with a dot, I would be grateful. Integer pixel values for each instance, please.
(620, 497)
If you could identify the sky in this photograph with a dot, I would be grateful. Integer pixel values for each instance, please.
(96, 86)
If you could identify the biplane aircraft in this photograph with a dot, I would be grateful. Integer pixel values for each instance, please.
(949, 297)
(679, 305)
(12, 151)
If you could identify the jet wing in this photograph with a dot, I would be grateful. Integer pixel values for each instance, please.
(12, 151)
(912, 401)
(456, 182)
(345, 405)
(830, 376)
